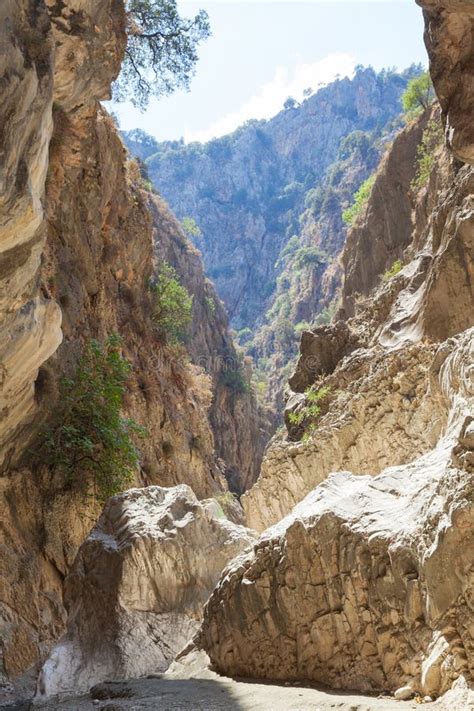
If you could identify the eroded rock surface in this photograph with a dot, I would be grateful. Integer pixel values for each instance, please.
(70, 200)
(367, 583)
(137, 587)
(449, 36)
(29, 323)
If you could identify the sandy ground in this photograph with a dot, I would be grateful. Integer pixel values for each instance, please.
(212, 694)
(191, 685)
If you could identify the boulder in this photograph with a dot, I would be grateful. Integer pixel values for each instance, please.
(138, 585)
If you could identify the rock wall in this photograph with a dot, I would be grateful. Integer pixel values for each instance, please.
(376, 242)
(76, 241)
(380, 410)
(30, 323)
(365, 583)
(449, 34)
(241, 426)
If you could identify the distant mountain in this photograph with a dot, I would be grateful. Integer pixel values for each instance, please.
(268, 200)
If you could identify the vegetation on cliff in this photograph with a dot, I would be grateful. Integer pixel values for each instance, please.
(173, 305)
(89, 442)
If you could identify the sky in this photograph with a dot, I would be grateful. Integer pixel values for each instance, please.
(262, 51)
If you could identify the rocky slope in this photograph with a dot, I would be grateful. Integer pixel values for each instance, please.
(77, 255)
(351, 589)
(366, 583)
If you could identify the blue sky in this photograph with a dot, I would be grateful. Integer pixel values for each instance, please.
(262, 51)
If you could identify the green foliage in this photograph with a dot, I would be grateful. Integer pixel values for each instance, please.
(305, 256)
(356, 142)
(296, 418)
(396, 267)
(245, 335)
(210, 305)
(191, 227)
(226, 500)
(89, 442)
(290, 103)
(302, 326)
(425, 154)
(418, 95)
(161, 50)
(234, 379)
(288, 251)
(361, 198)
(325, 316)
(173, 305)
(311, 409)
(314, 396)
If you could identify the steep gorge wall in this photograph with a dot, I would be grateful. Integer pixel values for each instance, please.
(366, 583)
(70, 202)
(241, 426)
(379, 411)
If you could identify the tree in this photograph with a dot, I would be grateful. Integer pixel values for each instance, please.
(89, 442)
(419, 94)
(161, 50)
(173, 305)
(307, 92)
(290, 103)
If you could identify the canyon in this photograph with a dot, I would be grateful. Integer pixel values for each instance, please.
(338, 551)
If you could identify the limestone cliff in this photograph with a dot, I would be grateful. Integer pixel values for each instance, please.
(366, 583)
(246, 190)
(240, 425)
(77, 234)
(268, 200)
(378, 411)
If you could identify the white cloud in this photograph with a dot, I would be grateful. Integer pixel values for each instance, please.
(271, 96)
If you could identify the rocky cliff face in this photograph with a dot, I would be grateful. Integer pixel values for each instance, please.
(352, 588)
(269, 200)
(449, 30)
(77, 255)
(366, 583)
(246, 190)
(241, 426)
(30, 322)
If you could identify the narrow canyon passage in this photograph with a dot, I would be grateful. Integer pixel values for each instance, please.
(236, 367)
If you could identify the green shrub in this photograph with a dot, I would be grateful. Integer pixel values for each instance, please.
(210, 305)
(302, 326)
(245, 335)
(173, 305)
(309, 255)
(191, 227)
(425, 154)
(311, 409)
(396, 267)
(234, 379)
(89, 442)
(361, 198)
